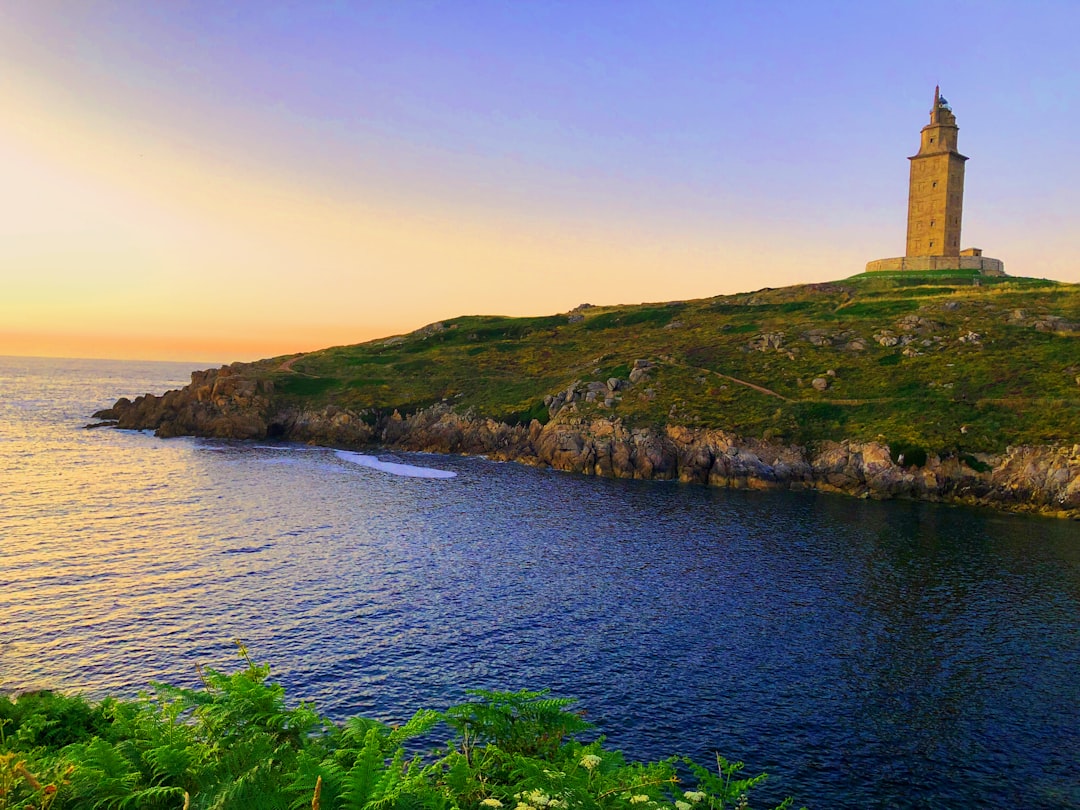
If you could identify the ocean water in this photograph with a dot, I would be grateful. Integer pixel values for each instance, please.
(865, 654)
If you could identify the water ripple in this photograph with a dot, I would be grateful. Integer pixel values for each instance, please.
(868, 654)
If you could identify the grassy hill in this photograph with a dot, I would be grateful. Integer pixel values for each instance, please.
(936, 361)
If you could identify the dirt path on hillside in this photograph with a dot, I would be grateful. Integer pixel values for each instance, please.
(769, 392)
(760, 389)
(288, 366)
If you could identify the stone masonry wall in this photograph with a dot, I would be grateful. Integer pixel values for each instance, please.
(984, 264)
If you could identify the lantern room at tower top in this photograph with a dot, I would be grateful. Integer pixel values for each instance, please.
(936, 203)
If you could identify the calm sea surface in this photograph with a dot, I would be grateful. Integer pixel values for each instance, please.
(865, 654)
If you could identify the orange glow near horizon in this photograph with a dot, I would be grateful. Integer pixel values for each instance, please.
(119, 239)
(242, 206)
(210, 350)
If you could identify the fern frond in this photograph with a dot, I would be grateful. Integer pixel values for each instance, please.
(167, 762)
(356, 729)
(420, 723)
(362, 778)
(155, 795)
(302, 783)
(257, 789)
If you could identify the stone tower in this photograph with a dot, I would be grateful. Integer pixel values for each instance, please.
(936, 204)
(936, 189)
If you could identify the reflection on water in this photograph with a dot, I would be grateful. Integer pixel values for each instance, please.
(868, 654)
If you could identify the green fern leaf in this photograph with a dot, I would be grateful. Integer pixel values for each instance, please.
(362, 778)
(420, 723)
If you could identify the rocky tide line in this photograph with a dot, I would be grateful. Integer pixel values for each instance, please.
(227, 404)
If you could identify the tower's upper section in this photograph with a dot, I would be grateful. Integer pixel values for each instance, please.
(939, 136)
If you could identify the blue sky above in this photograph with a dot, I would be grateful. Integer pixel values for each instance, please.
(613, 152)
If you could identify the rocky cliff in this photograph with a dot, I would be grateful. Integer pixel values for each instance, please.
(234, 403)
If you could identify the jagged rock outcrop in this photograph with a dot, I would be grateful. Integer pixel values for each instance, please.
(440, 429)
(1035, 475)
(218, 403)
(234, 403)
(231, 403)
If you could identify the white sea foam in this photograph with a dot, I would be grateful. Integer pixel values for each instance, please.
(392, 467)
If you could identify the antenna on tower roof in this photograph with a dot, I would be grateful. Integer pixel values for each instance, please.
(937, 95)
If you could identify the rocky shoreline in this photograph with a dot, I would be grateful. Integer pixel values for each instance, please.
(228, 403)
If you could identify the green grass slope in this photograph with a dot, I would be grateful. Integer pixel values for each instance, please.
(937, 361)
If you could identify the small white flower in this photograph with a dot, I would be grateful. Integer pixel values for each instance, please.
(491, 802)
(640, 798)
(694, 795)
(680, 805)
(590, 761)
(538, 798)
(523, 806)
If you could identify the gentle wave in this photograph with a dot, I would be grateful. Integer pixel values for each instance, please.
(393, 467)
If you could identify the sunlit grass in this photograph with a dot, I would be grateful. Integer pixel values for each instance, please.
(971, 369)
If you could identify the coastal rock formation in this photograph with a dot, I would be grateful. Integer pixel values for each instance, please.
(219, 403)
(233, 403)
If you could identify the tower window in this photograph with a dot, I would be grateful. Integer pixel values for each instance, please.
(931, 140)
(934, 184)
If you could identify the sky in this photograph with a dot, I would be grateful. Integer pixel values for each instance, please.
(227, 181)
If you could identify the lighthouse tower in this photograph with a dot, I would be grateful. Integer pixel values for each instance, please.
(936, 189)
(936, 203)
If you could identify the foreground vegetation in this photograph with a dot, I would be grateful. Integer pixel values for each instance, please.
(236, 744)
(946, 362)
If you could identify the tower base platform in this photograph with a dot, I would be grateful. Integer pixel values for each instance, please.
(984, 264)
